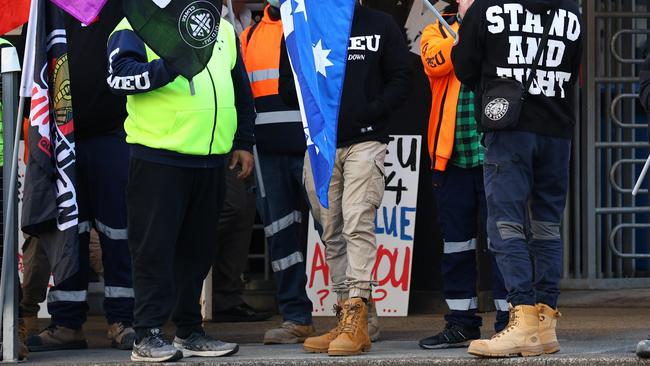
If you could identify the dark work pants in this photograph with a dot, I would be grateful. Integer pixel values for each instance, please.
(282, 210)
(172, 214)
(526, 180)
(233, 243)
(36, 277)
(460, 196)
(102, 169)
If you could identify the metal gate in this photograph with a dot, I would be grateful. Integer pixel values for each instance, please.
(606, 227)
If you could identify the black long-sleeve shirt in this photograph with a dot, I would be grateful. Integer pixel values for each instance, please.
(377, 78)
(499, 40)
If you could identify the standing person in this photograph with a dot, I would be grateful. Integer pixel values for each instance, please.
(377, 79)
(243, 14)
(526, 164)
(102, 161)
(457, 156)
(179, 143)
(280, 193)
(234, 239)
(36, 277)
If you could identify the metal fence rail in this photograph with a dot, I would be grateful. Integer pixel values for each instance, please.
(610, 237)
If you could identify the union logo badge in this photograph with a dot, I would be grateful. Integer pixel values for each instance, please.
(198, 24)
(497, 109)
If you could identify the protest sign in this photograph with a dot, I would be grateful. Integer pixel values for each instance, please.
(395, 229)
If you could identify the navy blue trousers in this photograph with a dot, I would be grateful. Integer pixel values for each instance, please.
(282, 210)
(461, 203)
(526, 180)
(102, 168)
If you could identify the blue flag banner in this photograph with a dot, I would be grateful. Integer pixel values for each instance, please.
(317, 34)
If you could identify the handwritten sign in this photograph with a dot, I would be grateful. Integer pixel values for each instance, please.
(395, 229)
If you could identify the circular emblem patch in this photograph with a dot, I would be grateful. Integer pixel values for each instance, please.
(496, 109)
(198, 24)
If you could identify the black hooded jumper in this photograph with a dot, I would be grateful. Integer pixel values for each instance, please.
(499, 39)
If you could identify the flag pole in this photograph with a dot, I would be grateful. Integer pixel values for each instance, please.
(8, 282)
(639, 181)
(442, 20)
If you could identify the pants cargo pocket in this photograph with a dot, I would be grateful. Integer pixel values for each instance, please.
(377, 184)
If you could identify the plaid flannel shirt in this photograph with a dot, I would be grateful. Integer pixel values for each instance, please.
(468, 151)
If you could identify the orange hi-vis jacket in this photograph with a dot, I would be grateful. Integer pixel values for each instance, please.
(436, 45)
(278, 127)
(264, 68)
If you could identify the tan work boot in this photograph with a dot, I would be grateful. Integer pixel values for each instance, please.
(289, 333)
(353, 338)
(55, 338)
(547, 323)
(373, 322)
(31, 325)
(519, 338)
(321, 343)
(121, 337)
(23, 352)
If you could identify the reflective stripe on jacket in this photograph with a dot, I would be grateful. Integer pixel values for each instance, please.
(261, 53)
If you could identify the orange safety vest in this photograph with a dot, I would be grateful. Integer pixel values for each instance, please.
(436, 45)
(261, 55)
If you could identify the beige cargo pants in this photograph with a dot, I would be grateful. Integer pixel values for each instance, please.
(355, 193)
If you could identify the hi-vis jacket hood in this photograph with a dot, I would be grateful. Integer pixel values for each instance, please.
(436, 45)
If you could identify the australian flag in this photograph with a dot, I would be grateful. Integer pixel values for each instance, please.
(317, 35)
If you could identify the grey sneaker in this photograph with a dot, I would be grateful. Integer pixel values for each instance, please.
(643, 349)
(203, 345)
(154, 348)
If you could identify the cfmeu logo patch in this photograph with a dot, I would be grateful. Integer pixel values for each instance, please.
(497, 109)
(198, 24)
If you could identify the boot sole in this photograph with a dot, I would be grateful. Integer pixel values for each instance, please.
(335, 352)
(175, 357)
(447, 345)
(188, 353)
(58, 347)
(516, 353)
(314, 350)
(551, 348)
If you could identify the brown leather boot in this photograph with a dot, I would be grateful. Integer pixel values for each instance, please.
(353, 338)
(321, 343)
(547, 323)
(23, 352)
(56, 338)
(121, 336)
(519, 338)
(289, 333)
(31, 325)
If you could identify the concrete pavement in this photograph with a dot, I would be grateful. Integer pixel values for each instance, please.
(589, 336)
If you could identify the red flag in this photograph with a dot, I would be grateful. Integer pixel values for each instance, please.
(13, 14)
